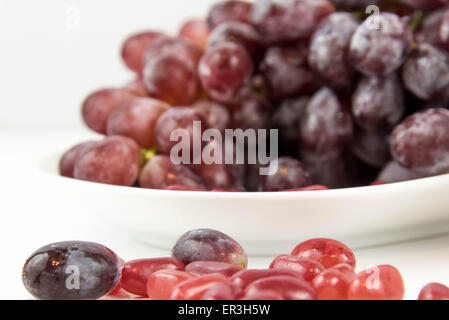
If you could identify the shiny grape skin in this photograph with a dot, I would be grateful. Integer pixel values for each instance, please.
(224, 70)
(201, 268)
(328, 52)
(277, 20)
(216, 115)
(426, 72)
(379, 52)
(332, 285)
(326, 128)
(115, 160)
(134, 48)
(394, 172)
(328, 252)
(287, 118)
(160, 173)
(244, 278)
(136, 119)
(371, 147)
(68, 160)
(421, 142)
(49, 270)
(196, 31)
(240, 33)
(99, 105)
(222, 291)
(290, 174)
(171, 79)
(251, 113)
(173, 119)
(378, 103)
(286, 71)
(209, 245)
(231, 10)
(289, 288)
(434, 291)
(430, 28)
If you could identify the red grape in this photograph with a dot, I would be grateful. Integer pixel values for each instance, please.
(216, 115)
(290, 174)
(161, 283)
(68, 160)
(137, 119)
(137, 88)
(307, 268)
(434, 291)
(229, 10)
(195, 30)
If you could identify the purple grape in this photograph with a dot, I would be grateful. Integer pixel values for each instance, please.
(115, 160)
(328, 52)
(286, 71)
(378, 102)
(371, 147)
(240, 33)
(326, 128)
(330, 171)
(169, 78)
(230, 10)
(71, 270)
(394, 172)
(424, 4)
(379, 52)
(216, 115)
(173, 119)
(183, 49)
(429, 30)
(224, 70)
(252, 113)
(136, 119)
(421, 142)
(354, 4)
(281, 21)
(68, 160)
(426, 72)
(286, 118)
(444, 30)
(99, 105)
(290, 174)
(209, 245)
(160, 173)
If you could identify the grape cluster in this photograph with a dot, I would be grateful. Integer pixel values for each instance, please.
(209, 265)
(355, 97)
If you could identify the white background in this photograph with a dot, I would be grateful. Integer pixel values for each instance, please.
(46, 70)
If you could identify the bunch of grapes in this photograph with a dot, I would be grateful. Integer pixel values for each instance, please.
(356, 98)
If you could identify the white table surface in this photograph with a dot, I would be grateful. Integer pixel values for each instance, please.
(28, 224)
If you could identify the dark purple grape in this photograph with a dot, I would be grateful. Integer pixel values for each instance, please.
(99, 105)
(136, 119)
(196, 31)
(424, 4)
(394, 172)
(426, 72)
(330, 171)
(160, 173)
(286, 71)
(328, 52)
(209, 245)
(230, 10)
(354, 4)
(68, 160)
(444, 30)
(115, 160)
(286, 118)
(378, 102)
(169, 78)
(380, 44)
(326, 128)
(251, 113)
(71, 270)
(371, 147)
(421, 142)
(134, 48)
(429, 30)
(289, 174)
(224, 70)
(216, 115)
(281, 21)
(241, 33)
(173, 119)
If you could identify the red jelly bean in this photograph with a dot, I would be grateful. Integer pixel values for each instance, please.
(310, 188)
(135, 273)
(378, 283)
(288, 287)
(264, 295)
(434, 291)
(160, 284)
(307, 268)
(222, 291)
(332, 284)
(346, 269)
(328, 252)
(194, 289)
(201, 268)
(245, 277)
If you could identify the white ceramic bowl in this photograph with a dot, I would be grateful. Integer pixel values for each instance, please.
(265, 223)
